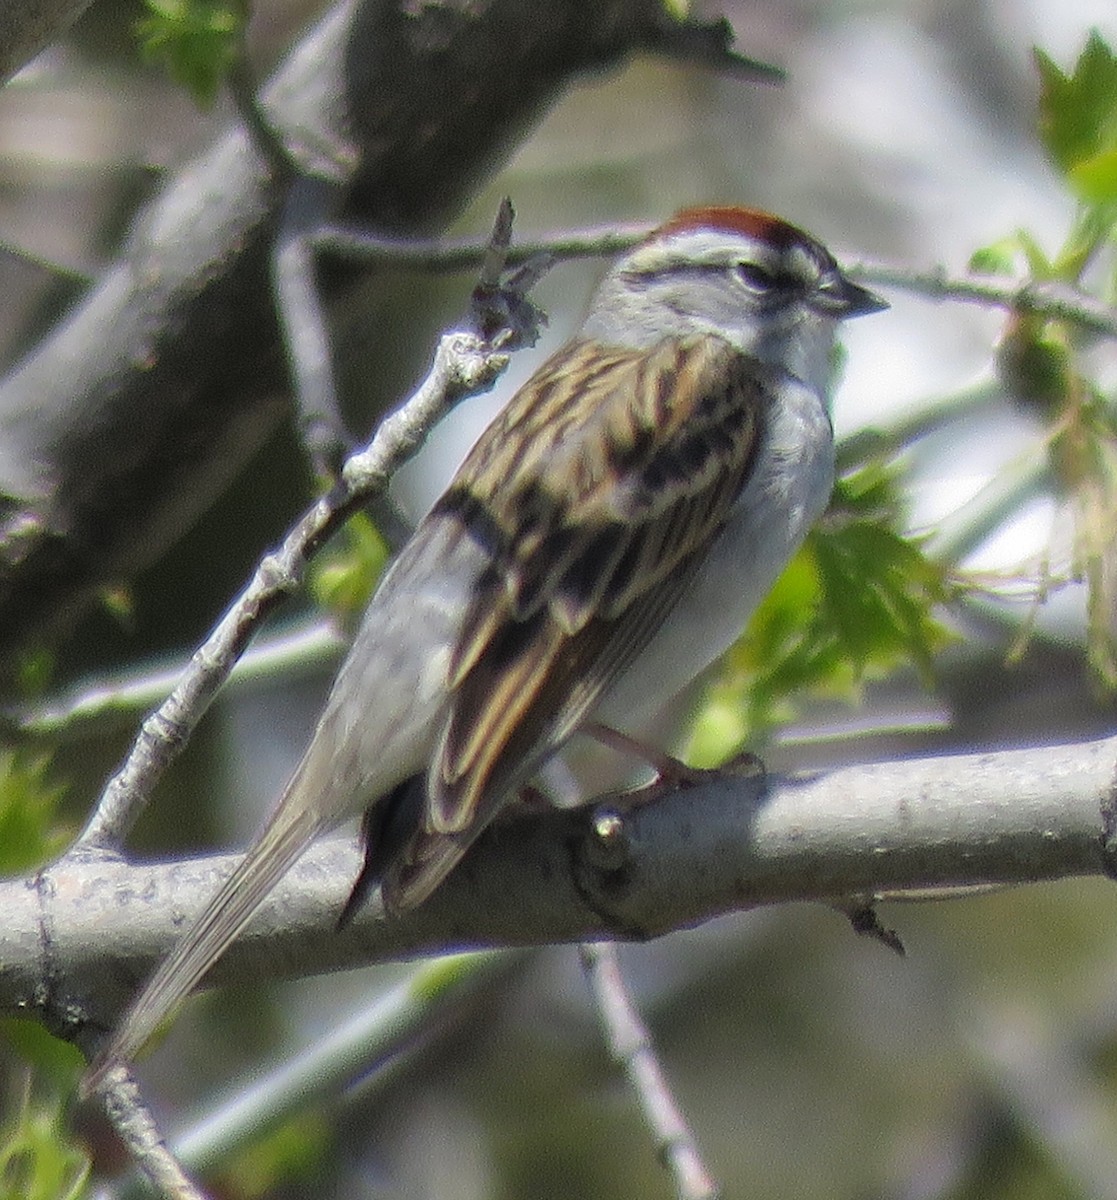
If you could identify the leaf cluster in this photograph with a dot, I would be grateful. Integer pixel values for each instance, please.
(1044, 363)
(858, 602)
(196, 41)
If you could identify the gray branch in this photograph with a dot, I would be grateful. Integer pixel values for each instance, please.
(632, 1049)
(131, 417)
(464, 364)
(28, 26)
(79, 936)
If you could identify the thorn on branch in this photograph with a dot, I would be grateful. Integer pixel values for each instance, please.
(866, 923)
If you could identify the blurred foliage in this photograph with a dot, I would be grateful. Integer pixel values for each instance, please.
(37, 1157)
(1078, 120)
(38, 1161)
(1043, 363)
(292, 1153)
(30, 830)
(196, 41)
(53, 1059)
(856, 603)
(343, 576)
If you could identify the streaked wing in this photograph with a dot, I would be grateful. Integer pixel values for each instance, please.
(596, 492)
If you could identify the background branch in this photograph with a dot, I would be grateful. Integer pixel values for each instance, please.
(126, 422)
(463, 365)
(25, 29)
(1055, 300)
(631, 1046)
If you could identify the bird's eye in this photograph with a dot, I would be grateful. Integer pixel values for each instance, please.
(757, 277)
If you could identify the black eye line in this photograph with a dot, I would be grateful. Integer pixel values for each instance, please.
(757, 276)
(782, 284)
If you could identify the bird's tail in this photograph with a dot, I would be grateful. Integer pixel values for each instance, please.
(290, 831)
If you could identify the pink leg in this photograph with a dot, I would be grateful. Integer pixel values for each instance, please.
(670, 772)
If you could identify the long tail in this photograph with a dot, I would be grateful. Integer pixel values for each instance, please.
(292, 828)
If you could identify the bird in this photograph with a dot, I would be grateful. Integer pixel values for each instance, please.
(602, 544)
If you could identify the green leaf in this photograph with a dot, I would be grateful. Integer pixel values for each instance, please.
(195, 40)
(1078, 112)
(343, 577)
(30, 832)
(52, 1058)
(39, 1159)
(1039, 264)
(876, 594)
(998, 258)
(1095, 179)
(857, 602)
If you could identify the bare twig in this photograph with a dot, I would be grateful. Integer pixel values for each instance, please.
(1046, 299)
(242, 87)
(303, 323)
(466, 254)
(464, 364)
(631, 1046)
(133, 1121)
(1053, 300)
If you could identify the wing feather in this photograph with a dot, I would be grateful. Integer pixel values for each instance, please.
(596, 493)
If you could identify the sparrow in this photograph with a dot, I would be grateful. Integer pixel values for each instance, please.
(603, 543)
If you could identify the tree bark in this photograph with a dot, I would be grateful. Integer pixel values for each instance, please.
(131, 417)
(79, 936)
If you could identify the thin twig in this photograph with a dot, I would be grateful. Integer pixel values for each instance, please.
(631, 1046)
(885, 438)
(1056, 301)
(464, 364)
(302, 321)
(304, 645)
(465, 254)
(245, 96)
(134, 1123)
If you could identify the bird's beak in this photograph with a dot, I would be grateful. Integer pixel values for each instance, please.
(852, 300)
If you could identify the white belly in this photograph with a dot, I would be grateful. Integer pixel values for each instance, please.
(786, 495)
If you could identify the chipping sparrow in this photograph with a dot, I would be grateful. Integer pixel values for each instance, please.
(604, 541)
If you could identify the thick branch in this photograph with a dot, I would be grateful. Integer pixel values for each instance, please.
(26, 28)
(84, 932)
(130, 418)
